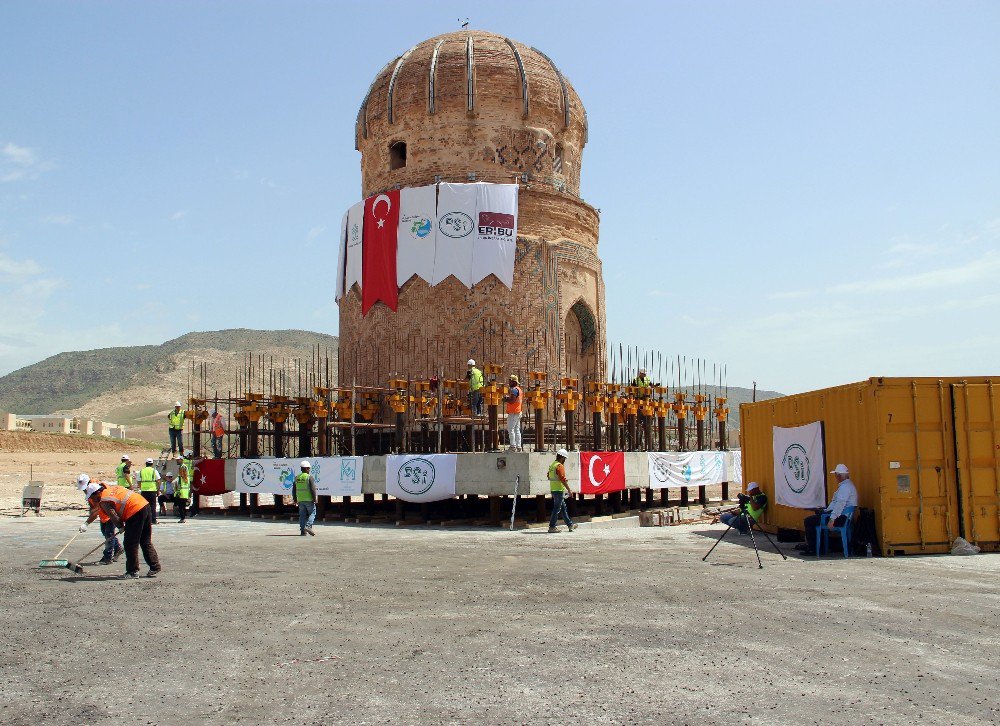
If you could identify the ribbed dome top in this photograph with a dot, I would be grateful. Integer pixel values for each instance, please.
(478, 73)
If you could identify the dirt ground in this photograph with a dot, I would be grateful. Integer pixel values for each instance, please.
(250, 623)
(56, 460)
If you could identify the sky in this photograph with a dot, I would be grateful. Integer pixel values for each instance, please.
(807, 193)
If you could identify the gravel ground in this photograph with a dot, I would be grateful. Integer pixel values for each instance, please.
(251, 623)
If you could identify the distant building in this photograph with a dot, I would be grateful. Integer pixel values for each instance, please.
(60, 425)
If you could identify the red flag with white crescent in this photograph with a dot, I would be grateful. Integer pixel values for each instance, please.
(378, 264)
(602, 472)
(209, 477)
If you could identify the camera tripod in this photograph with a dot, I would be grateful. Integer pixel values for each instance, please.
(753, 523)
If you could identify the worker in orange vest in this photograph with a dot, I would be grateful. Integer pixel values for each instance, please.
(218, 428)
(112, 547)
(515, 401)
(129, 511)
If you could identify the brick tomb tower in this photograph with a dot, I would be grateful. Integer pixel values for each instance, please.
(474, 106)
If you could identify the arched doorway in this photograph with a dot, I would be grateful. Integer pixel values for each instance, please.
(580, 342)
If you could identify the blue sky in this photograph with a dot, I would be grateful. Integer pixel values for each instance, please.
(808, 192)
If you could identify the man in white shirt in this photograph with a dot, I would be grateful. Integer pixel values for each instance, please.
(845, 496)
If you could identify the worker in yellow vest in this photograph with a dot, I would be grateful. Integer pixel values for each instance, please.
(304, 494)
(185, 470)
(175, 427)
(559, 487)
(149, 486)
(515, 401)
(123, 472)
(182, 488)
(475, 378)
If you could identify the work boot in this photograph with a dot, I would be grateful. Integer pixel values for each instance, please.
(151, 573)
(105, 561)
(572, 527)
(310, 531)
(553, 530)
(302, 533)
(130, 576)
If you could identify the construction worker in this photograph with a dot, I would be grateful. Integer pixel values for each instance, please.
(645, 390)
(475, 378)
(167, 495)
(185, 470)
(175, 427)
(217, 426)
(112, 547)
(182, 489)
(515, 400)
(123, 473)
(559, 488)
(130, 511)
(304, 494)
(149, 486)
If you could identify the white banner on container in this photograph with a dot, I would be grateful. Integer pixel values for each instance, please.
(338, 476)
(735, 464)
(353, 266)
(496, 232)
(416, 239)
(799, 466)
(456, 229)
(421, 478)
(686, 468)
(341, 259)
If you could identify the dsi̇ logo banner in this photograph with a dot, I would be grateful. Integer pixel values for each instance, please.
(799, 459)
(423, 478)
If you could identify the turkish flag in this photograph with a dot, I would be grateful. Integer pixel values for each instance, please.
(209, 477)
(602, 472)
(378, 259)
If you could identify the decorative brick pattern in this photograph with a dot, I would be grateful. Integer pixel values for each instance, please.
(530, 327)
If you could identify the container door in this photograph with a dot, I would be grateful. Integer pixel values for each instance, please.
(977, 448)
(917, 500)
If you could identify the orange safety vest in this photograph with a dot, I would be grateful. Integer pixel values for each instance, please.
(217, 428)
(515, 406)
(127, 503)
(95, 509)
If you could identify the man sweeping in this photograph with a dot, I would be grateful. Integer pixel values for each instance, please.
(129, 511)
(112, 547)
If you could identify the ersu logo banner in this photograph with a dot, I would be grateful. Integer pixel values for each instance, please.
(686, 469)
(421, 478)
(496, 233)
(334, 475)
(799, 466)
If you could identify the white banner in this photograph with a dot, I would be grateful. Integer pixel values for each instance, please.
(799, 466)
(456, 216)
(420, 478)
(496, 232)
(341, 259)
(416, 239)
(736, 467)
(338, 476)
(353, 269)
(686, 468)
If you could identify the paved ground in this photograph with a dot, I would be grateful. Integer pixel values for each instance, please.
(374, 625)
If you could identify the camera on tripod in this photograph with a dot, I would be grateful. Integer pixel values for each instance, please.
(743, 499)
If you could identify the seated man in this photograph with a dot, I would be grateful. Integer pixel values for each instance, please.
(845, 496)
(756, 503)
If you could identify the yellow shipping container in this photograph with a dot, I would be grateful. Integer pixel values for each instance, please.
(924, 454)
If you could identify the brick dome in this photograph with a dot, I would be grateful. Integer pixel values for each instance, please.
(477, 76)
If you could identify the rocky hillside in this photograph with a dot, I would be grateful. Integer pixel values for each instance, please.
(136, 386)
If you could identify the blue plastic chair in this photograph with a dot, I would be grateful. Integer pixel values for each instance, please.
(822, 532)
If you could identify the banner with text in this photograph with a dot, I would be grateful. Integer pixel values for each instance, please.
(799, 466)
(671, 469)
(421, 478)
(336, 476)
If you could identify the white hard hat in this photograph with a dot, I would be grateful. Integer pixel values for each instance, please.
(304, 464)
(472, 362)
(149, 461)
(82, 481)
(89, 490)
(177, 403)
(840, 469)
(125, 457)
(752, 485)
(563, 453)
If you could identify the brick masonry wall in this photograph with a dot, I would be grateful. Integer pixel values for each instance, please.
(556, 262)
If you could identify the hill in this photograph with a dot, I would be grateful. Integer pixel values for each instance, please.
(136, 385)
